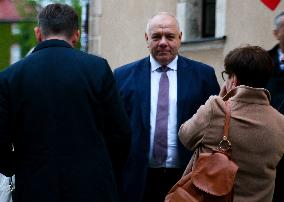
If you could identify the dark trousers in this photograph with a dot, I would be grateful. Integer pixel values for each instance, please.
(159, 182)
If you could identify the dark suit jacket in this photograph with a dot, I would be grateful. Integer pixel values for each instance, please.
(195, 81)
(276, 83)
(61, 110)
(276, 89)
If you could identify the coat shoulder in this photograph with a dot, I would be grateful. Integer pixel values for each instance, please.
(273, 50)
(90, 57)
(195, 64)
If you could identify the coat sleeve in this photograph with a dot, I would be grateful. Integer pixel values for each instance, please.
(6, 148)
(213, 87)
(117, 129)
(193, 130)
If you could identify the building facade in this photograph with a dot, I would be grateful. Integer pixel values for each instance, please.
(211, 28)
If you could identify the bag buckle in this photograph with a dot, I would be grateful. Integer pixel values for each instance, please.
(224, 145)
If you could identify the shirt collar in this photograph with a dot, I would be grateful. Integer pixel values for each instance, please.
(280, 54)
(155, 65)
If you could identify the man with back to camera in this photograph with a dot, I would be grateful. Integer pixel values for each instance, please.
(60, 109)
(160, 92)
(276, 89)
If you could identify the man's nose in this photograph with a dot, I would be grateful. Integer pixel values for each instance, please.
(163, 41)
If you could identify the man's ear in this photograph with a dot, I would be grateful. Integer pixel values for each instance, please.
(180, 35)
(146, 38)
(75, 38)
(38, 34)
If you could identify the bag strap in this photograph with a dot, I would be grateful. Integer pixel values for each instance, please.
(225, 145)
(228, 116)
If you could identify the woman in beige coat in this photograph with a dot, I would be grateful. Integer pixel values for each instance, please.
(256, 129)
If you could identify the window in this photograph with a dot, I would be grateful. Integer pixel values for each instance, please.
(201, 19)
(208, 18)
(15, 29)
(15, 53)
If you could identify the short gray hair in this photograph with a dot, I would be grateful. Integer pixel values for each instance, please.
(278, 20)
(161, 13)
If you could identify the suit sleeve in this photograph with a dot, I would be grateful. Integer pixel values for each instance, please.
(214, 85)
(6, 149)
(117, 129)
(193, 130)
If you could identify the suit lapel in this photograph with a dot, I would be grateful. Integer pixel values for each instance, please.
(143, 84)
(184, 90)
(277, 63)
(185, 82)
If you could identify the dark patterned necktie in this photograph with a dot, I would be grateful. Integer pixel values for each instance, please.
(161, 129)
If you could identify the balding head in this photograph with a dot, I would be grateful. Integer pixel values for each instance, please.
(163, 37)
(161, 14)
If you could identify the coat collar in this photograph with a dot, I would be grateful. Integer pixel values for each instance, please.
(249, 95)
(52, 43)
(274, 49)
(275, 57)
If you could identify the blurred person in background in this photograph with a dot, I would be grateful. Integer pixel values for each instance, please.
(276, 89)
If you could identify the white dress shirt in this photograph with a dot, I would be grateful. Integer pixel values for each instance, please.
(172, 157)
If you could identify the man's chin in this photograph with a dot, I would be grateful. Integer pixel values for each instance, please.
(164, 59)
(164, 54)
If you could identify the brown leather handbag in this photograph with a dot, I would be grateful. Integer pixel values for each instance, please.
(211, 178)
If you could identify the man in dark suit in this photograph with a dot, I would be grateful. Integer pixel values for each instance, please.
(61, 112)
(276, 83)
(276, 89)
(180, 86)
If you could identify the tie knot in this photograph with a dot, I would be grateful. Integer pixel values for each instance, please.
(163, 69)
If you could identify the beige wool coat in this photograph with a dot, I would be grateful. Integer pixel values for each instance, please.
(256, 133)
